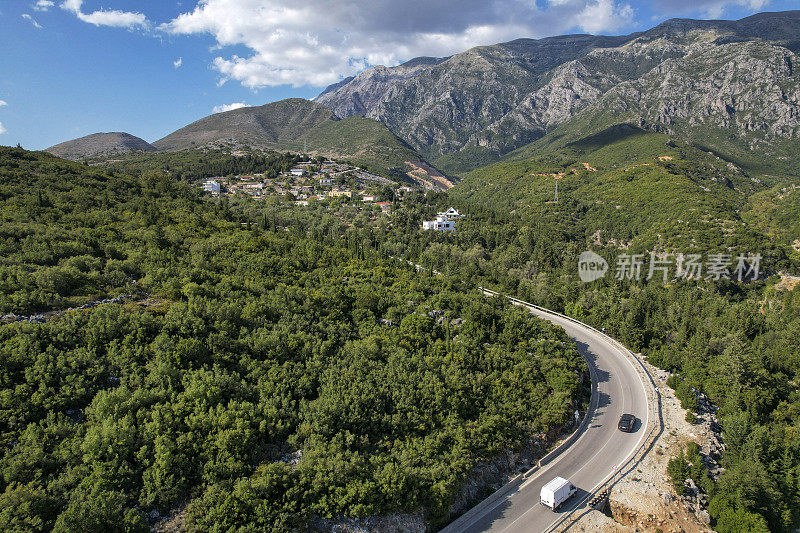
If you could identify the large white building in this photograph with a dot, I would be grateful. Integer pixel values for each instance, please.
(445, 221)
(211, 186)
(440, 224)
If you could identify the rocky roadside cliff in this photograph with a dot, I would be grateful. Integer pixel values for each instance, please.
(645, 501)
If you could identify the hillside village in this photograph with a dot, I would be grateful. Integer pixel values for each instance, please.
(316, 181)
(308, 182)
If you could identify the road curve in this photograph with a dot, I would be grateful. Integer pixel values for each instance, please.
(599, 449)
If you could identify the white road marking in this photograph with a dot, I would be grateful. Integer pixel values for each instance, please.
(595, 335)
(573, 474)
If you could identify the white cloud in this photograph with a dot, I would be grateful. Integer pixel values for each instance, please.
(316, 42)
(178, 62)
(32, 21)
(229, 107)
(121, 19)
(43, 5)
(713, 9)
(2, 129)
(604, 15)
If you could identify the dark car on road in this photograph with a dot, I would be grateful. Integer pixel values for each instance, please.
(626, 423)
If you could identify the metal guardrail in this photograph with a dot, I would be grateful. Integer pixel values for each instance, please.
(603, 490)
(654, 404)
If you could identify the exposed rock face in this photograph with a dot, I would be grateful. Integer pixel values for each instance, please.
(396, 523)
(659, 518)
(438, 106)
(736, 75)
(100, 145)
(744, 87)
(367, 89)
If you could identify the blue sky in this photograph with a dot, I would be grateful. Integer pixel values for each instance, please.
(69, 68)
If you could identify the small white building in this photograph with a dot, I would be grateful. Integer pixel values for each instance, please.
(211, 186)
(368, 198)
(297, 172)
(326, 181)
(440, 224)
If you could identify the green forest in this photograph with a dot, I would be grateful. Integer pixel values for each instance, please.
(737, 342)
(270, 366)
(274, 364)
(196, 165)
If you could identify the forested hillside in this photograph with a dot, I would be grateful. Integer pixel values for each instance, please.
(736, 342)
(195, 165)
(274, 366)
(627, 186)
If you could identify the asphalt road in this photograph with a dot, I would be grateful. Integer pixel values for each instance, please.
(616, 389)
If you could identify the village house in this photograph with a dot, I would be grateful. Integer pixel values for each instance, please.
(211, 186)
(451, 214)
(338, 194)
(445, 221)
(440, 224)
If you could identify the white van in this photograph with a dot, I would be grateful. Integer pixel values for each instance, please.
(556, 492)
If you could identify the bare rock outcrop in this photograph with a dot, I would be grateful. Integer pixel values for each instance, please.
(683, 75)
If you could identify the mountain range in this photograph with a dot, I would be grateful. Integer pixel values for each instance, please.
(293, 125)
(731, 84)
(730, 87)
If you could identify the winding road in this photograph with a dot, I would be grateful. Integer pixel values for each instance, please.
(598, 451)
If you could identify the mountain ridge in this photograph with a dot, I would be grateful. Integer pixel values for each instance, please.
(293, 124)
(100, 144)
(268, 124)
(473, 107)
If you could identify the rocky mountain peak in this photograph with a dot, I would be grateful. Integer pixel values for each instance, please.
(492, 99)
